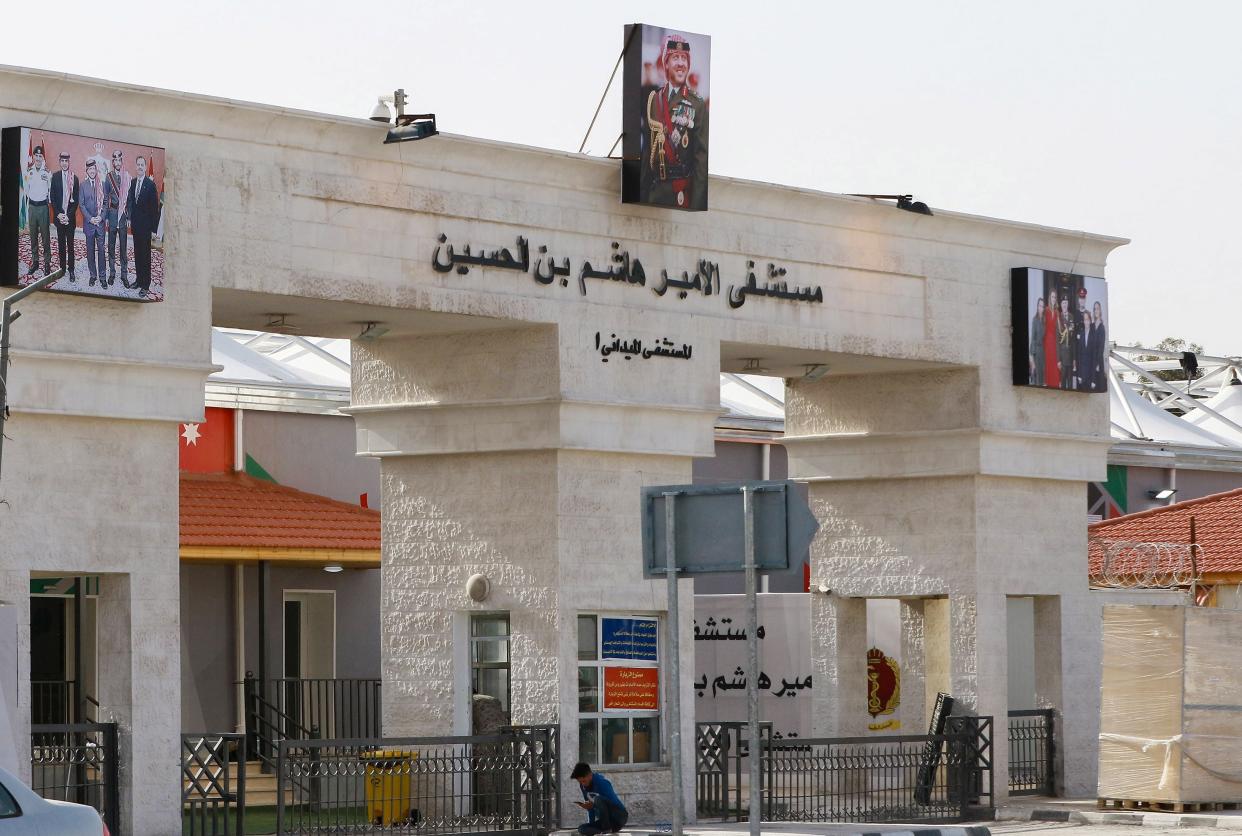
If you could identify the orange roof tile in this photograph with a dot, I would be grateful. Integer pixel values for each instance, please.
(234, 510)
(1218, 531)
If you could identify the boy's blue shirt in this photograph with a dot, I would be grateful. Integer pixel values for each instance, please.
(602, 787)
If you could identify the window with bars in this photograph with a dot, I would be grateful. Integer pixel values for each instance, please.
(609, 735)
(489, 655)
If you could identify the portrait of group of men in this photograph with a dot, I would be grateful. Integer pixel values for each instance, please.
(666, 117)
(90, 207)
(1063, 333)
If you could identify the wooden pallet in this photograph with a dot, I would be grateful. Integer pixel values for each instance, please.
(1166, 806)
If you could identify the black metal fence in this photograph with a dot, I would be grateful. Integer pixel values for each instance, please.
(57, 701)
(213, 784)
(906, 778)
(1031, 752)
(503, 783)
(299, 709)
(77, 762)
(721, 762)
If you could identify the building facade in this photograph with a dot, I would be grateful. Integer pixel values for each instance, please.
(547, 355)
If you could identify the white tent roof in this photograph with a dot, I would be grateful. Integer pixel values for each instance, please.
(1151, 422)
(1228, 403)
(253, 357)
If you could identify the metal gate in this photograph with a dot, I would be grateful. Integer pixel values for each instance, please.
(879, 778)
(502, 784)
(78, 762)
(1031, 752)
(213, 784)
(721, 762)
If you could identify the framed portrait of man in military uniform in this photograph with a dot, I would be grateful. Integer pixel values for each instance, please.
(666, 100)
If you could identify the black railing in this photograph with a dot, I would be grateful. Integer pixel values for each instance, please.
(213, 784)
(545, 779)
(721, 761)
(972, 737)
(77, 762)
(501, 783)
(56, 701)
(1031, 752)
(301, 709)
(887, 778)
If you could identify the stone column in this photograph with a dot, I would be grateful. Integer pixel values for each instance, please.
(839, 655)
(935, 651)
(1067, 678)
(517, 454)
(139, 687)
(15, 673)
(116, 678)
(979, 673)
(912, 712)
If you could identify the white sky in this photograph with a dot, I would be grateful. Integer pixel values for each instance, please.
(1122, 118)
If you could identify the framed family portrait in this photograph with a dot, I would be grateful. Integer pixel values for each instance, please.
(1060, 330)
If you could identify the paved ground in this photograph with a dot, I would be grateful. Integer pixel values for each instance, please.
(1152, 824)
(1085, 812)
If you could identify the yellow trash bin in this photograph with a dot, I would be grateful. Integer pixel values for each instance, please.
(388, 791)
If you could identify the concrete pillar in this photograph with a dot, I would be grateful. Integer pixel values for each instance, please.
(116, 678)
(839, 659)
(936, 651)
(15, 673)
(139, 689)
(979, 675)
(517, 455)
(1067, 631)
(912, 711)
(1049, 692)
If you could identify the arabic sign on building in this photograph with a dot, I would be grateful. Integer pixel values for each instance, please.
(784, 661)
(636, 347)
(93, 207)
(632, 639)
(626, 271)
(666, 99)
(631, 689)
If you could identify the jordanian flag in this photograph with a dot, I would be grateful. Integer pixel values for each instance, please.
(29, 155)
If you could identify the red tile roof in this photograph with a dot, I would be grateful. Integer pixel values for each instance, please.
(233, 510)
(1218, 531)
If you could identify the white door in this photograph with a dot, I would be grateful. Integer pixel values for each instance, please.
(310, 656)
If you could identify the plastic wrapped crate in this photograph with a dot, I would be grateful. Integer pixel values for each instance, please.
(1171, 705)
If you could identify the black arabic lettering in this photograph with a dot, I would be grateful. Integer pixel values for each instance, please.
(435, 257)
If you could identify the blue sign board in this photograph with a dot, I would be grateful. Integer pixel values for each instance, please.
(633, 639)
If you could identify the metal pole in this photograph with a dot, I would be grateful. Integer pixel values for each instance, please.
(6, 322)
(79, 695)
(264, 731)
(674, 653)
(752, 656)
(79, 681)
